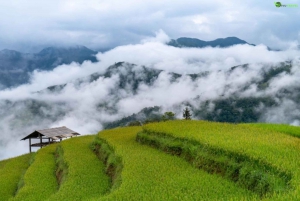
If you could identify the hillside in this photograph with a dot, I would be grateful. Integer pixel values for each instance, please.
(125, 92)
(234, 107)
(173, 160)
(15, 67)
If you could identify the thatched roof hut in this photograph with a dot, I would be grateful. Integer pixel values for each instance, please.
(52, 134)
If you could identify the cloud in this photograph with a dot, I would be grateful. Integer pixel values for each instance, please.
(172, 59)
(85, 105)
(161, 37)
(100, 25)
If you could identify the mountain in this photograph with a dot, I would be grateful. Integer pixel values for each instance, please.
(131, 77)
(194, 42)
(51, 57)
(148, 113)
(15, 67)
(126, 93)
(233, 108)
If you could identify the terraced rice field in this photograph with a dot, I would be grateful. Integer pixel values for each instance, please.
(283, 128)
(86, 177)
(267, 146)
(85, 174)
(149, 174)
(39, 179)
(11, 172)
(173, 160)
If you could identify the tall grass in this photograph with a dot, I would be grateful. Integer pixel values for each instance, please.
(86, 177)
(113, 163)
(283, 128)
(149, 174)
(277, 149)
(39, 179)
(61, 166)
(11, 172)
(248, 173)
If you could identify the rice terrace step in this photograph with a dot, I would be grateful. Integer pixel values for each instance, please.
(171, 160)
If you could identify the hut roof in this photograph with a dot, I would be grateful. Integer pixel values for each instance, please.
(53, 133)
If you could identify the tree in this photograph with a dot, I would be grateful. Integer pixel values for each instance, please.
(168, 116)
(134, 123)
(187, 114)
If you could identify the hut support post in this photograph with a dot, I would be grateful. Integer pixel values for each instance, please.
(41, 140)
(30, 145)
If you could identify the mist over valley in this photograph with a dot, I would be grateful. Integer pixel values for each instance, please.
(235, 83)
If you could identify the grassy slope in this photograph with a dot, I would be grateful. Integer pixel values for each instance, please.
(2, 163)
(10, 179)
(86, 177)
(39, 179)
(278, 149)
(149, 174)
(283, 128)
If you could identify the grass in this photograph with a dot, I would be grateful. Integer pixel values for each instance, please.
(39, 179)
(10, 179)
(2, 163)
(85, 177)
(253, 175)
(218, 161)
(277, 149)
(61, 166)
(149, 174)
(283, 128)
(113, 163)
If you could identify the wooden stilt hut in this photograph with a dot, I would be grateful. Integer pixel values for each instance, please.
(51, 135)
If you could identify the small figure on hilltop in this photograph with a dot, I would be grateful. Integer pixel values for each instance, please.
(187, 114)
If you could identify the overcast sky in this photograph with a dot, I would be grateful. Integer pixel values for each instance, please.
(101, 24)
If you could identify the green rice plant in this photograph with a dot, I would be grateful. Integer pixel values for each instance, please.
(61, 166)
(12, 171)
(283, 128)
(2, 163)
(277, 149)
(149, 174)
(113, 163)
(253, 175)
(85, 176)
(39, 179)
(250, 155)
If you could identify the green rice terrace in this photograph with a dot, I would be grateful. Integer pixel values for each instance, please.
(171, 160)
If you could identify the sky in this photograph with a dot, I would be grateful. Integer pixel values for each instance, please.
(29, 26)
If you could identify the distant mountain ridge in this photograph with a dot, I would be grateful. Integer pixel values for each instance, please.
(129, 81)
(233, 109)
(16, 66)
(128, 76)
(197, 43)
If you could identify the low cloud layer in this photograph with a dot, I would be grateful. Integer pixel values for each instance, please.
(84, 105)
